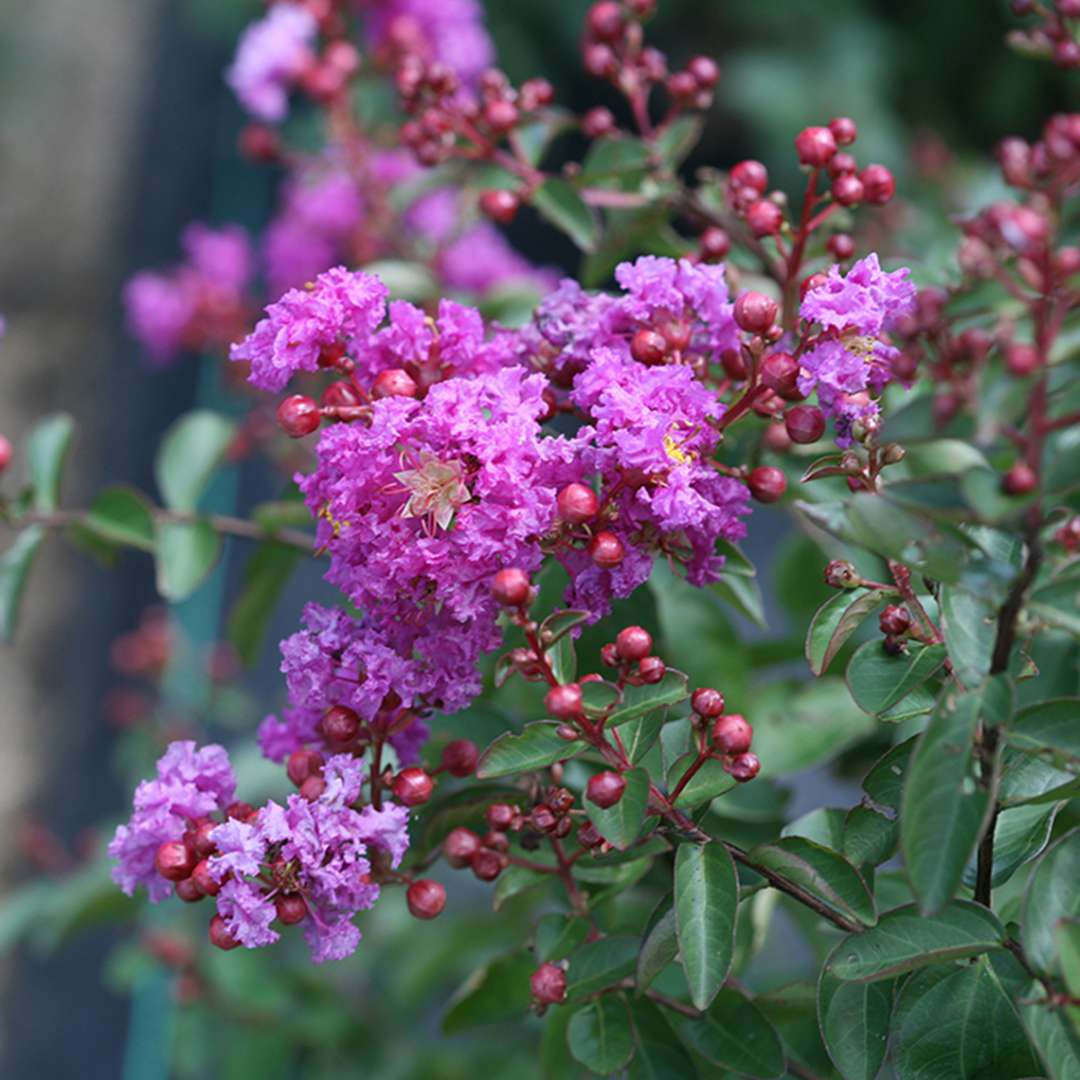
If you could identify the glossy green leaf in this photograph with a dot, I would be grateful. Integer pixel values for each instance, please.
(822, 872)
(598, 697)
(1050, 728)
(601, 964)
(557, 936)
(706, 898)
(515, 880)
(561, 205)
(744, 594)
(969, 624)
(185, 556)
(535, 748)
(1052, 895)
(265, 576)
(904, 940)
(879, 681)
(660, 1055)
(734, 1035)
(1020, 834)
(562, 656)
(1053, 1036)
(640, 735)
(600, 1037)
(47, 448)
(658, 949)
(944, 807)
(884, 783)
(620, 824)
(870, 838)
(188, 455)
(677, 139)
(854, 1021)
(497, 991)
(121, 515)
(15, 566)
(835, 621)
(615, 162)
(704, 786)
(963, 1027)
(640, 700)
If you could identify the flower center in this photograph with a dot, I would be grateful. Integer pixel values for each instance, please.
(436, 489)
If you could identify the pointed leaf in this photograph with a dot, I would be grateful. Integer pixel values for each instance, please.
(878, 681)
(640, 735)
(968, 623)
(639, 700)
(189, 453)
(265, 576)
(560, 204)
(498, 991)
(599, 1035)
(660, 947)
(121, 515)
(620, 824)
(660, 1055)
(1052, 895)
(835, 621)
(706, 898)
(15, 566)
(704, 786)
(904, 940)
(185, 556)
(46, 450)
(854, 1021)
(536, 747)
(734, 1035)
(557, 936)
(601, 964)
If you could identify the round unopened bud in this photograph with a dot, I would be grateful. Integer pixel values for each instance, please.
(201, 843)
(840, 574)
(340, 394)
(487, 865)
(542, 818)
(600, 61)
(393, 382)
(840, 246)
(291, 908)
(606, 550)
(340, 724)
(188, 890)
(298, 416)
(767, 483)
(1020, 479)
(510, 587)
(500, 205)
(564, 702)
(500, 116)
(755, 312)
(815, 146)
(500, 816)
(459, 757)
(204, 879)
(605, 21)
(894, 620)
(706, 71)
(648, 347)
(714, 243)
(548, 984)
(732, 734)
(750, 174)
(879, 185)
(173, 860)
(220, 936)
(460, 846)
(577, 504)
(1022, 359)
(598, 122)
(605, 789)
(707, 702)
(426, 899)
(312, 788)
(633, 643)
(892, 454)
(843, 130)
(780, 373)
(764, 218)
(848, 190)
(744, 767)
(413, 787)
(651, 670)
(609, 656)
(805, 423)
(303, 764)
(892, 645)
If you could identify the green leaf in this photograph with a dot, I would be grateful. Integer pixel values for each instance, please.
(854, 1021)
(598, 696)
(620, 824)
(498, 991)
(658, 949)
(878, 681)
(405, 280)
(1052, 895)
(734, 1035)
(640, 735)
(600, 964)
(835, 621)
(536, 747)
(561, 205)
(884, 783)
(639, 700)
(599, 1035)
(514, 880)
(557, 936)
(265, 576)
(121, 515)
(870, 838)
(1051, 728)
(704, 786)
(744, 594)
(944, 807)
(677, 139)
(46, 450)
(968, 623)
(660, 1055)
(706, 898)
(821, 871)
(904, 940)
(1058, 603)
(559, 624)
(963, 1027)
(185, 556)
(189, 453)
(1020, 833)
(562, 656)
(615, 163)
(15, 566)
(1052, 1035)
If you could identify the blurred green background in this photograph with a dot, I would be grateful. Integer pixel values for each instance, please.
(115, 131)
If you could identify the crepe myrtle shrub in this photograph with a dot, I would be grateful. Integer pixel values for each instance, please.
(533, 683)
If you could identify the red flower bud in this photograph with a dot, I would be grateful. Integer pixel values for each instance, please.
(731, 734)
(298, 416)
(767, 483)
(713, 244)
(220, 936)
(413, 787)
(805, 423)
(340, 724)
(648, 347)
(750, 174)
(744, 767)
(393, 382)
(894, 620)
(707, 702)
(598, 122)
(460, 846)
(577, 504)
(605, 21)
(303, 764)
(780, 373)
(879, 186)
(564, 702)
(705, 70)
(291, 908)
(651, 670)
(755, 312)
(548, 984)
(1020, 479)
(173, 860)
(815, 146)
(843, 130)
(487, 865)
(500, 205)
(605, 789)
(510, 587)
(764, 218)
(202, 877)
(459, 757)
(633, 643)
(426, 899)
(606, 550)
(848, 190)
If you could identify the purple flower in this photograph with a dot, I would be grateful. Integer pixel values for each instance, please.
(190, 783)
(339, 307)
(271, 54)
(248, 913)
(480, 260)
(865, 300)
(159, 310)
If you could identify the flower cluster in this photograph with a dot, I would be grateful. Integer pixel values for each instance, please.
(312, 861)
